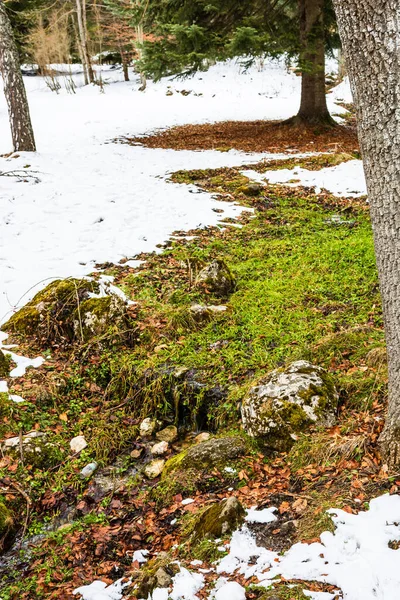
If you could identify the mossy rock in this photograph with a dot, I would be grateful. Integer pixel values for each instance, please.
(64, 312)
(156, 573)
(4, 365)
(217, 452)
(217, 279)
(218, 519)
(287, 402)
(6, 520)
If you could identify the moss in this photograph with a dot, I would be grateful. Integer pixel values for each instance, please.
(6, 520)
(25, 321)
(218, 519)
(149, 574)
(285, 592)
(91, 317)
(4, 364)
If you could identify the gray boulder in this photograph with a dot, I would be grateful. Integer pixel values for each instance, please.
(287, 402)
(217, 278)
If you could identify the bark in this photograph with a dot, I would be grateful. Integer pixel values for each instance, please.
(342, 72)
(139, 40)
(370, 33)
(14, 89)
(125, 66)
(82, 29)
(313, 107)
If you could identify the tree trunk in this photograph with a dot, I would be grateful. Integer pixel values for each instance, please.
(82, 29)
(341, 66)
(370, 33)
(139, 40)
(14, 89)
(125, 66)
(313, 107)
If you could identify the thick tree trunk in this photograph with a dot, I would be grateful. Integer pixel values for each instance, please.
(370, 33)
(82, 29)
(14, 89)
(313, 107)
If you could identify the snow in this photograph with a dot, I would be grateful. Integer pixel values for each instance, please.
(22, 362)
(98, 590)
(98, 201)
(185, 585)
(187, 501)
(266, 515)
(356, 557)
(346, 179)
(231, 591)
(140, 556)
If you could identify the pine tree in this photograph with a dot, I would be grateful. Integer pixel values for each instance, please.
(190, 33)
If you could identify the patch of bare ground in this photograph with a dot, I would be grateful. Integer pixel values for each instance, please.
(252, 136)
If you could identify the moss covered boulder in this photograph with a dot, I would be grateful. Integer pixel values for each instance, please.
(217, 279)
(69, 310)
(6, 520)
(287, 402)
(219, 519)
(217, 452)
(4, 365)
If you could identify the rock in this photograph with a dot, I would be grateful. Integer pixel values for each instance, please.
(286, 402)
(205, 455)
(6, 520)
(78, 443)
(159, 449)
(219, 519)
(26, 439)
(202, 437)
(154, 468)
(137, 453)
(88, 470)
(147, 427)
(251, 189)
(217, 278)
(72, 310)
(4, 365)
(163, 578)
(168, 434)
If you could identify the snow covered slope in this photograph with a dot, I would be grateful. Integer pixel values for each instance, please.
(97, 201)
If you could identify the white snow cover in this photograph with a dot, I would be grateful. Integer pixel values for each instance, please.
(230, 591)
(346, 179)
(22, 363)
(356, 557)
(98, 590)
(185, 585)
(97, 201)
(265, 515)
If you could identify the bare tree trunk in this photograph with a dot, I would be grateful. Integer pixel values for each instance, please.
(313, 107)
(80, 51)
(370, 33)
(139, 39)
(124, 65)
(342, 72)
(14, 89)
(82, 29)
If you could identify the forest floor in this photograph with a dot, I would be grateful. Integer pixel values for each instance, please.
(300, 248)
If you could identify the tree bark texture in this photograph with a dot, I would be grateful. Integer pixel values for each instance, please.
(14, 89)
(82, 28)
(313, 107)
(370, 33)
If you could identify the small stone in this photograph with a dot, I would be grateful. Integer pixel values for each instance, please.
(14, 441)
(88, 470)
(154, 468)
(78, 443)
(202, 437)
(217, 278)
(169, 434)
(160, 448)
(147, 427)
(136, 453)
(164, 580)
(251, 189)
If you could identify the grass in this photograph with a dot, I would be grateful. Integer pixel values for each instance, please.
(306, 288)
